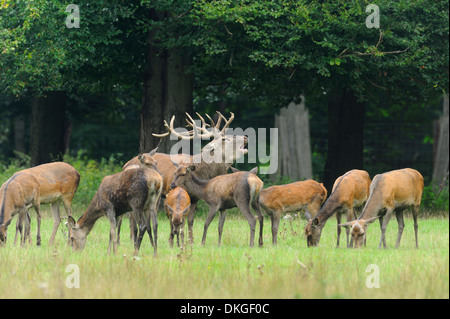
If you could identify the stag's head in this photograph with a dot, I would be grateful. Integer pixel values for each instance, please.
(222, 149)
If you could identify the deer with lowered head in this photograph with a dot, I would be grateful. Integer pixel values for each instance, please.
(390, 192)
(223, 148)
(137, 189)
(239, 189)
(52, 183)
(279, 199)
(176, 206)
(349, 194)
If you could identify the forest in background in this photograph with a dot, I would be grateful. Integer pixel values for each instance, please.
(100, 90)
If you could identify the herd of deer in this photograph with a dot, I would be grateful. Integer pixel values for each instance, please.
(182, 180)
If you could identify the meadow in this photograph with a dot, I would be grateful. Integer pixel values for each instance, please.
(234, 270)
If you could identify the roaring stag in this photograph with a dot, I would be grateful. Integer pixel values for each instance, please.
(225, 149)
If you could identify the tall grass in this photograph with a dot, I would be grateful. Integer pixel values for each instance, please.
(289, 270)
(234, 270)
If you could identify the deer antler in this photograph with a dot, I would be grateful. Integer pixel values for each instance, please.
(198, 132)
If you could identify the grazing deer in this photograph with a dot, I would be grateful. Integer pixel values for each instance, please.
(279, 199)
(222, 192)
(138, 190)
(50, 183)
(177, 205)
(350, 192)
(204, 169)
(390, 192)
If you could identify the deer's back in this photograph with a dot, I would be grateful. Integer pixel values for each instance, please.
(352, 188)
(293, 195)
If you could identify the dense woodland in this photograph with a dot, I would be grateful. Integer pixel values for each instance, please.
(374, 95)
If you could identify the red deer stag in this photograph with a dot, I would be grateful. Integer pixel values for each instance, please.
(350, 192)
(137, 190)
(177, 205)
(391, 192)
(205, 169)
(222, 192)
(50, 183)
(279, 199)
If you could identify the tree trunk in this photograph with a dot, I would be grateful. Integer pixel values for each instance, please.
(441, 164)
(47, 128)
(345, 135)
(167, 91)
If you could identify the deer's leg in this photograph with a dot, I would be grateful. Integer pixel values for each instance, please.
(251, 219)
(350, 217)
(386, 219)
(119, 226)
(401, 226)
(222, 216)
(338, 218)
(26, 228)
(56, 220)
(19, 226)
(276, 217)
(112, 231)
(182, 233)
(142, 229)
(171, 235)
(212, 212)
(191, 221)
(133, 228)
(37, 208)
(415, 213)
(154, 221)
(258, 211)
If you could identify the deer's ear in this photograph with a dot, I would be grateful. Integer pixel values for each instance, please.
(191, 168)
(347, 224)
(175, 163)
(139, 157)
(234, 170)
(71, 222)
(254, 170)
(370, 220)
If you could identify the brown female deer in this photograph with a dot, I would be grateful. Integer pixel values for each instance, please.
(204, 169)
(391, 192)
(142, 160)
(279, 199)
(47, 183)
(177, 205)
(222, 192)
(350, 192)
(137, 190)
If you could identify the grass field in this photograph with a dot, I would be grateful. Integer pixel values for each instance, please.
(290, 270)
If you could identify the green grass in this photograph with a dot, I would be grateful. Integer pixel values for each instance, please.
(290, 270)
